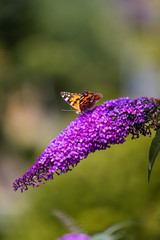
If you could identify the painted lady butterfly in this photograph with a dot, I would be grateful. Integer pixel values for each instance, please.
(81, 102)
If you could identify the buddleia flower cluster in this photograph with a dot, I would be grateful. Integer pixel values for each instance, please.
(96, 129)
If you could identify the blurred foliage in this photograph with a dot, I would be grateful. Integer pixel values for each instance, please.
(51, 46)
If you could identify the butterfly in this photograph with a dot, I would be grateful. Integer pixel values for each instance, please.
(81, 102)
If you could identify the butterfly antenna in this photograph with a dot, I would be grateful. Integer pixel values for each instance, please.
(67, 110)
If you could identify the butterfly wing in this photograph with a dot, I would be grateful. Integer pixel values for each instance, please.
(88, 100)
(72, 99)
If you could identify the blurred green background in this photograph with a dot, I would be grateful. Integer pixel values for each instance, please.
(111, 47)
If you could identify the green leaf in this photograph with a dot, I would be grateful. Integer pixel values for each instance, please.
(153, 151)
(115, 232)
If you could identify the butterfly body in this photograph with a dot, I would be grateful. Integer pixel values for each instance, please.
(81, 102)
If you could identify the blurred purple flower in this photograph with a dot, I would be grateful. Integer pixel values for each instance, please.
(73, 236)
(97, 129)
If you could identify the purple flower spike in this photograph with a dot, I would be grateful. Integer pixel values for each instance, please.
(97, 129)
(73, 236)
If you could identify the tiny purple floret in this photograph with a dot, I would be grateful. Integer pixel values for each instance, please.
(97, 129)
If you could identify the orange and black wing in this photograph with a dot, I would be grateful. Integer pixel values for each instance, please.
(88, 100)
(72, 99)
